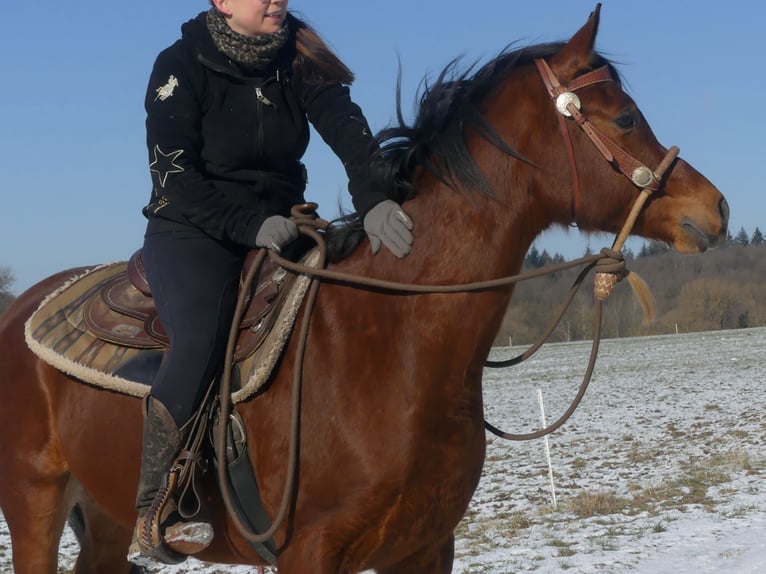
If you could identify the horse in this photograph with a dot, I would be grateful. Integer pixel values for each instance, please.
(392, 435)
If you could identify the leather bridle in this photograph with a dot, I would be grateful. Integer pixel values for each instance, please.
(568, 106)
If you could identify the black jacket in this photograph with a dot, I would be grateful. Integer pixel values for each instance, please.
(225, 145)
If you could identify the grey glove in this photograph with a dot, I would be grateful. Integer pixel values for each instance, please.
(276, 232)
(388, 224)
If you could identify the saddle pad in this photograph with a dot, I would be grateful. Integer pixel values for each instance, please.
(56, 332)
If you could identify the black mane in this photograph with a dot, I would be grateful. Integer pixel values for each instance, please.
(436, 140)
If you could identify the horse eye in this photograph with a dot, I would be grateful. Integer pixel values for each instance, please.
(627, 121)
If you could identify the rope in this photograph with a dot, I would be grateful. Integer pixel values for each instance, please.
(225, 397)
(607, 258)
(578, 398)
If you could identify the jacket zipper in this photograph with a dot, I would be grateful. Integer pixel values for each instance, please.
(263, 101)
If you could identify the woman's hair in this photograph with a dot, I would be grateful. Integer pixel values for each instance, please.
(314, 61)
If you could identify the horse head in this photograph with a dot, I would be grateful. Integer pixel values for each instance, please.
(686, 211)
(499, 130)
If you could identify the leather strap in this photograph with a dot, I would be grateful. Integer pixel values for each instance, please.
(568, 106)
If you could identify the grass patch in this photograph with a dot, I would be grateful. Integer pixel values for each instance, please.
(734, 460)
(638, 455)
(518, 521)
(659, 527)
(564, 549)
(484, 532)
(691, 487)
(674, 431)
(588, 504)
(579, 463)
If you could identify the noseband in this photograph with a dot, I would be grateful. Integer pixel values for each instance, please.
(568, 106)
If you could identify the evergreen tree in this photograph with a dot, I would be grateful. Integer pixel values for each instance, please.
(653, 248)
(533, 259)
(742, 237)
(757, 237)
(6, 280)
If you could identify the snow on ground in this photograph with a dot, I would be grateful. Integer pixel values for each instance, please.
(660, 470)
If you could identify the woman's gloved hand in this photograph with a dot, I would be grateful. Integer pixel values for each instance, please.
(276, 232)
(387, 223)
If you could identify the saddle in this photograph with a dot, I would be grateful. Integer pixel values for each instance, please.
(123, 313)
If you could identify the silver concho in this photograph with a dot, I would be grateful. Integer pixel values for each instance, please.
(642, 176)
(564, 99)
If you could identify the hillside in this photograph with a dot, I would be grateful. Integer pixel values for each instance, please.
(720, 289)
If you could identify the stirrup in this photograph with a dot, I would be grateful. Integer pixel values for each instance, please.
(162, 553)
(189, 537)
(148, 532)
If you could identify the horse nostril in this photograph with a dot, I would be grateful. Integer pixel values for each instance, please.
(723, 209)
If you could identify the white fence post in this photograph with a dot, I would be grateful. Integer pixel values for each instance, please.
(547, 446)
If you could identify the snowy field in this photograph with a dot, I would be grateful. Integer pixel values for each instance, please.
(660, 471)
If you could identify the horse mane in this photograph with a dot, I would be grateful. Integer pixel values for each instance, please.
(446, 110)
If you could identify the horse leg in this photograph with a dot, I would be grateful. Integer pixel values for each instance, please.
(34, 495)
(314, 553)
(311, 555)
(103, 542)
(436, 559)
(34, 472)
(35, 518)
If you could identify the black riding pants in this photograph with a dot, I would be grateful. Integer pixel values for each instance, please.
(194, 280)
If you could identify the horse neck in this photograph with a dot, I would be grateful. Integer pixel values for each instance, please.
(470, 236)
(488, 236)
(461, 238)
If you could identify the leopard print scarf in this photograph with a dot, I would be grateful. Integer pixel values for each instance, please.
(251, 52)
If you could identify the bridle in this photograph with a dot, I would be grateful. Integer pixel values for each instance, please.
(569, 106)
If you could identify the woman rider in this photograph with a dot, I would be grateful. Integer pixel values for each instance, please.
(228, 111)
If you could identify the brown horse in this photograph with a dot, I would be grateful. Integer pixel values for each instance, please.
(392, 431)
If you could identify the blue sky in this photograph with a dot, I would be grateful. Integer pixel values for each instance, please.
(73, 168)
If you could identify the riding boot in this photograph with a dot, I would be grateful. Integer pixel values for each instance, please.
(162, 442)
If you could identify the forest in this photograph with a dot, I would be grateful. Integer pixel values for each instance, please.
(724, 288)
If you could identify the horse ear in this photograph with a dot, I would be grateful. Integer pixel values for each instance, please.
(577, 53)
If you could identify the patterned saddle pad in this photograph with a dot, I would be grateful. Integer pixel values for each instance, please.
(102, 330)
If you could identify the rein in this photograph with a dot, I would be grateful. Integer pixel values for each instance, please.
(609, 265)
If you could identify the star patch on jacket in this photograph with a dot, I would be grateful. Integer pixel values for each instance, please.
(166, 91)
(164, 164)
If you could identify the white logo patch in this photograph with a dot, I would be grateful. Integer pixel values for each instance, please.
(164, 92)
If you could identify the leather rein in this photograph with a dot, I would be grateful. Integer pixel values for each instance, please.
(609, 264)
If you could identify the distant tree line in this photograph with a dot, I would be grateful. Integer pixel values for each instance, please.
(724, 288)
(6, 281)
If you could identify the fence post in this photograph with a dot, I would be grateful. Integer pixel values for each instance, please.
(547, 446)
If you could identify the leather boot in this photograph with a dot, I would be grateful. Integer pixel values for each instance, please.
(162, 442)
